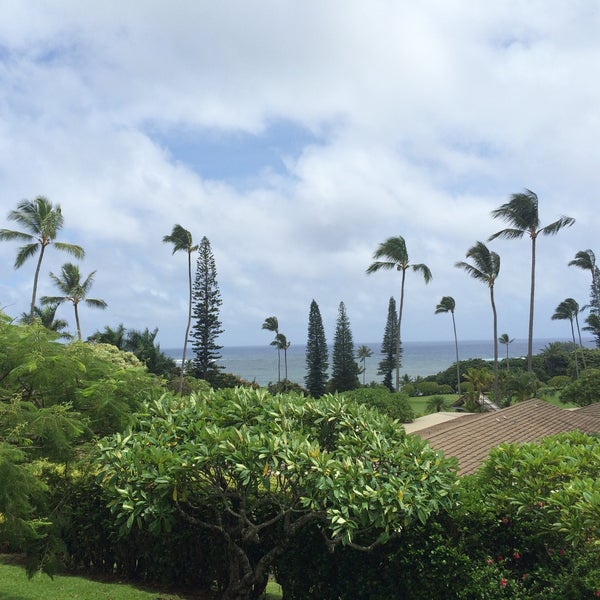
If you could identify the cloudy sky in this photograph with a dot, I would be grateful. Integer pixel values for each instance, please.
(297, 136)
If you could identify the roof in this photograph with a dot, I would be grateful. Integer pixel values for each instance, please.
(471, 437)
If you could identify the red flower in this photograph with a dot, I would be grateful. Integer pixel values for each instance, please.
(503, 582)
(597, 594)
(490, 561)
(516, 555)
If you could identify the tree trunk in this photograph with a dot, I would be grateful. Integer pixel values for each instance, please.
(456, 348)
(189, 321)
(399, 338)
(531, 305)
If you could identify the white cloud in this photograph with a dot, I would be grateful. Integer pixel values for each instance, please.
(425, 117)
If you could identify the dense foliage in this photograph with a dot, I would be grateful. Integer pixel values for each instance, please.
(256, 470)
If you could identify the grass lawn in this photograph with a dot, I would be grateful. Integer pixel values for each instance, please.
(15, 585)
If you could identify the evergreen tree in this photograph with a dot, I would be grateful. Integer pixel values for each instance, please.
(345, 368)
(207, 301)
(388, 347)
(316, 354)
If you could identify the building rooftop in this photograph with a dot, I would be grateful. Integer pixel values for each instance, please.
(470, 437)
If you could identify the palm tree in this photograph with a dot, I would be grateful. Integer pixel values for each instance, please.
(586, 260)
(395, 256)
(362, 353)
(521, 212)
(506, 340)
(46, 315)
(42, 221)
(114, 337)
(182, 241)
(282, 343)
(485, 268)
(568, 310)
(272, 324)
(74, 290)
(448, 305)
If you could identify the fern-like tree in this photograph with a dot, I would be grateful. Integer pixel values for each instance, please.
(362, 353)
(521, 213)
(41, 221)
(485, 267)
(181, 239)
(74, 290)
(505, 340)
(392, 255)
(389, 347)
(316, 353)
(586, 260)
(344, 371)
(206, 307)
(448, 305)
(272, 324)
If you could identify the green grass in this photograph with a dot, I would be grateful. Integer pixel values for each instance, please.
(15, 585)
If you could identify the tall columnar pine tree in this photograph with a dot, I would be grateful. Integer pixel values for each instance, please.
(395, 257)
(485, 267)
(344, 375)
(42, 221)
(206, 304)
(521, 213)
(182, 241)
(316, 354)
(272, 324)
(389, 346)
(448, 305)
(74, 290)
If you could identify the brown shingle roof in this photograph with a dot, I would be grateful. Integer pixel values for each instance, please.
(471, 437)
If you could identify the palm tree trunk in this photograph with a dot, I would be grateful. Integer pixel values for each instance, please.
(574, 348)
(278, 365)
(77, 321)
(495, 344)
(399, 338)
(456, 348)
(189, 322)
(580, 342)
(531, 305)
(35, 281)
(285, 362)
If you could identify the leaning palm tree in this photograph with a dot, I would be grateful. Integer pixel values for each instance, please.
(182, 241)
(272, 324)
(448, 305)
(362, 353)
(568, 310)
(395, 256)
(586, 260)
(505, 340)
(74, 290)
(485, 268)
(42, 221)
(521, 212)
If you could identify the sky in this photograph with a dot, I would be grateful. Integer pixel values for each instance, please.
(297, 136)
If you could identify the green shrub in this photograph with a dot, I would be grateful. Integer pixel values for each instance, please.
(428, 388)
(379, 397)
(583, 391)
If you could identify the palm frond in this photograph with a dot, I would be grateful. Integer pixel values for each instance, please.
(24, 253)
(555, 227)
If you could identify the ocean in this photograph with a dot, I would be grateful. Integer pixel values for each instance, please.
(259, 363)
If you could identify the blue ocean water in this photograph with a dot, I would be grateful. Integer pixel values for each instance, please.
(259, 363)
